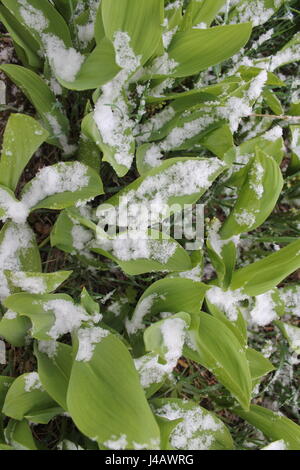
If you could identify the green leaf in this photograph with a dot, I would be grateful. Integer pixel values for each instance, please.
(14, 329)
(74, 183)
(5, 384)
(273, 102)
(26, 45)
(106, 401)
(44, 101)
(22, 137)
(203, 11)
(45, 316)
(292, 335)
(19, 435)
(196, 50)
(138, 18)
(257, 197)
(295, 147)
(19, 250)
(259, 365)
(35, 283)
(54, 22)
(102, 59)
(196, 428)
(217, 348)
(161, 253)
(26, 396)
(55, 362)
(265, 274)
(167, 295)
(274, 426)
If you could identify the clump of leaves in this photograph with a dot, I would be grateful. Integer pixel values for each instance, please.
(185, 92)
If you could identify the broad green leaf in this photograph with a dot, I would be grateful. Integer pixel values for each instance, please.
(54, 366)
(190, 178)
(40, 17)
(138, 18)
(19, 436)
(167, 295)
(22, 137)
(5, 384)
(102, 59)
(26, 396)
(18, 250)
(203, 12)
(14, 328)
(47, 313)
(257, 197)
(91, 131)
(106, 401)
(35, 283)
(273, 425)
(26, 45)
(147, 253)
(265, 274)
(273, 102)
(44, 416)
(196, 50)
(292, 335)
(259, 365)
(241, 157)
(217, 348)
(195, 429)
(44, 101)
(72, 182)
(295, 147)
(153, 337)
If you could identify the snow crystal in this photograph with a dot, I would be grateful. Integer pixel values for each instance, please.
(48, 347)
(17, 238)
(234, 110)
(155, 123)
(168, 36)
(276, 445)
(65, 61)
(186, 435)
(2, 92)
(28, 283)
(15, 210)
(10, 315)
(227, 301)
(68, 316)
(254, 11)
(257, 85)
(59, 134)
(295, 142)
(273, 134)
(193, 274)
(153, 156)
(245, 217)
(80, 237)
(151, 197)
(159, 90)
(150, 369)
(143, 308)
(32, 382)
(190, 129)
(2, 353)
(116, 443)
(33, 17)
(264, 311)
(217, 243)
(162, 65)
(256, 179)
(88, 339)
(291, 299)
(111, 111)
(293, 334)
(54, 180)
